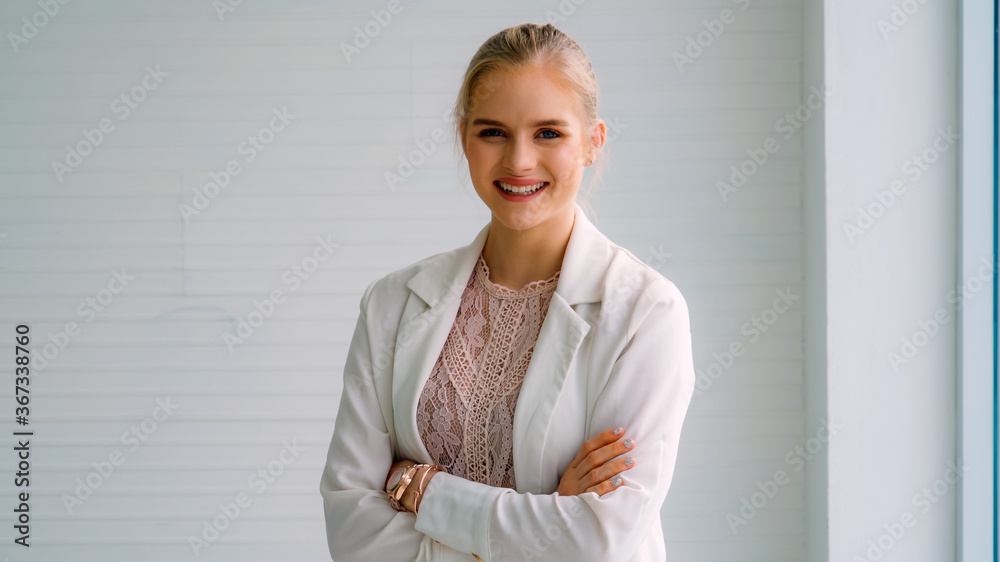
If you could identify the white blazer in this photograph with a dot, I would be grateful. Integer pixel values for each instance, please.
(614, 349)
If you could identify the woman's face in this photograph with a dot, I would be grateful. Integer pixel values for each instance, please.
(524, 133)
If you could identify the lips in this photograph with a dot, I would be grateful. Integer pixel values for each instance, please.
(512, 186)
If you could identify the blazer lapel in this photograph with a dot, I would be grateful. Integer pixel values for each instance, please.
(430, 313)
(581, 281)
(560, 336)
(426, 321)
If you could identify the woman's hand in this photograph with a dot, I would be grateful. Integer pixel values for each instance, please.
(590, 471)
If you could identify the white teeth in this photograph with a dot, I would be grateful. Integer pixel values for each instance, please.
(520, 190)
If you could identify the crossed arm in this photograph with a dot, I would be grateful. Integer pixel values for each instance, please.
(647, 392)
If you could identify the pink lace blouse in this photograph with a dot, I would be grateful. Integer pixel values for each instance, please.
(465, 413)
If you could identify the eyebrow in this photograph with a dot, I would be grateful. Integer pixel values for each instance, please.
(544, 123)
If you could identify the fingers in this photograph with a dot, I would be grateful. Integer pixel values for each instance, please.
(602, 455)
(606, 486)
(596, 442)
(597, 471)
(595, 468)
(608, 477)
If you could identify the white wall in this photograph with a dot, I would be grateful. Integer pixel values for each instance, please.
(677, 133)
(893, 93)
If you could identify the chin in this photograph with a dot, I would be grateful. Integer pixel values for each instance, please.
(521, 225)
(522, 220)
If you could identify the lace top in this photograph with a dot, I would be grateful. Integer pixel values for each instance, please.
(465, 414)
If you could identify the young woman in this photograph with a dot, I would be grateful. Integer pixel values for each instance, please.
(521, 397)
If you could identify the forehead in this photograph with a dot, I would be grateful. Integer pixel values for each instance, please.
(524, 95)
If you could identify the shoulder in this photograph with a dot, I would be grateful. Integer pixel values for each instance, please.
(633, 290)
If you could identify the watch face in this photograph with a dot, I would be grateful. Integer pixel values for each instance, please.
(394, 478)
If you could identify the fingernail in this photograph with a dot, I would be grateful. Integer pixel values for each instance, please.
(618, 430)
(628, 443)
(629, 461)
(616, 481)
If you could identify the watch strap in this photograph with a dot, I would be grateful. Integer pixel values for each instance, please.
(396, 493)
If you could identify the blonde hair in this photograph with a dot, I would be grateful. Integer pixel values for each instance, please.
(523, 46)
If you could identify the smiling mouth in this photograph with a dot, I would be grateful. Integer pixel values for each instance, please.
(520, 190)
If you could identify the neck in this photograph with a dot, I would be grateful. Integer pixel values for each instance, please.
(518, 257)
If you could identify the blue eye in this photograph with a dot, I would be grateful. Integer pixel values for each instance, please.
(554, 134)
(490, 133)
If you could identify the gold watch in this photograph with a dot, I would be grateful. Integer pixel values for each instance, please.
(399, 480)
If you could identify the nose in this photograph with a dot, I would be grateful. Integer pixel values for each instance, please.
(519, 155)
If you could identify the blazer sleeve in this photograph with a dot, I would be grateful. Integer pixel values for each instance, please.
(360, 523)
(647, 393)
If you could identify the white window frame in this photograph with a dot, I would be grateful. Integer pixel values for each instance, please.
(977, 338)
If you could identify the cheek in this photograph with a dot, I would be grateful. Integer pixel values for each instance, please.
(567, 164)
(479, 156)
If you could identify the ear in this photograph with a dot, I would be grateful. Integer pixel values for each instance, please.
(598, 135)
(461, 128)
